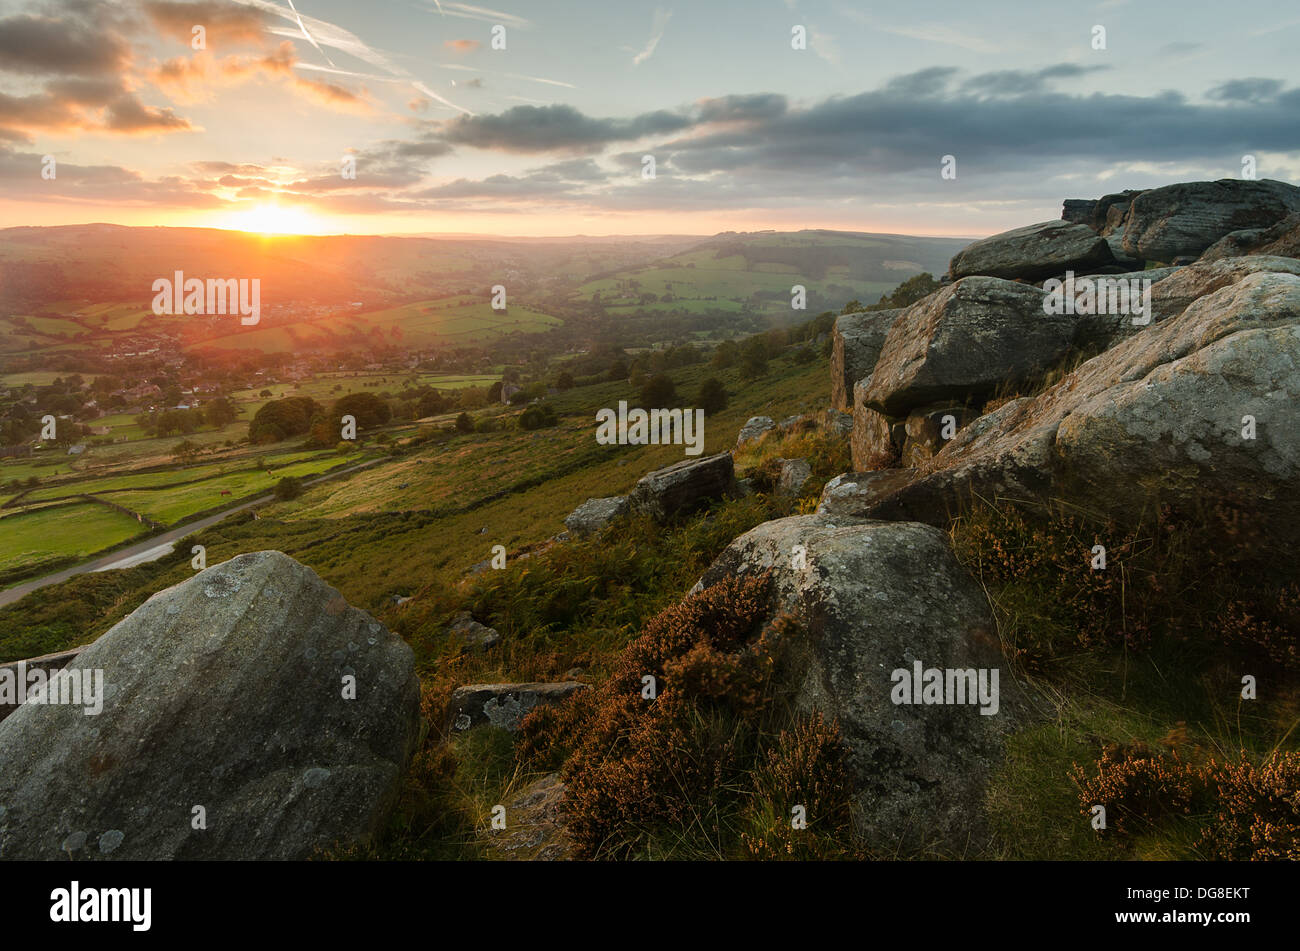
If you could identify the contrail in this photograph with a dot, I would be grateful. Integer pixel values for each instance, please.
(310, 39)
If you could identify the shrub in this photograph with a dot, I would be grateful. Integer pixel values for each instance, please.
(464, 423)
(1244, 811)
(641, 772)
(658, 392)
(537, 416)
(713, 396)
(288, 488)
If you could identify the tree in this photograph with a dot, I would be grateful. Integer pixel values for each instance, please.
(494, 392)
(618, 371)
(368, 409)
(658, 392)
(564, 381)
(909, 292)
(537, 416)
(291, 416)
(290, 487)
(725, 355)
(713, 396)
(464, 423)
(753, 358)
(220, 412)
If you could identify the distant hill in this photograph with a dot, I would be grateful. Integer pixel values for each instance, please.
(89, 287)
(755, 271)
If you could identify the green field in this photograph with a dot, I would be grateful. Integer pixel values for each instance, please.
(172, 505)
(33, 538)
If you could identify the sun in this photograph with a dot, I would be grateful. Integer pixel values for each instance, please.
(276, 219)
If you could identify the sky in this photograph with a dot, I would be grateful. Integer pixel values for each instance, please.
(536, 118)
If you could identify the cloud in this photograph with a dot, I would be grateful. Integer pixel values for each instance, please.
(223, 24)
(462, 46)
(199, 76)
(47, 45)
(657, 27)
(1246, 90)
(554, 128)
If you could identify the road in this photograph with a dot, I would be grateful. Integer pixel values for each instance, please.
(161, 544)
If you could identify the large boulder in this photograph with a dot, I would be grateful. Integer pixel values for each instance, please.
(1204, 406)
(1282, 239)
(965, 340)
(1033, 252)
(230, 692)
(1103, 215)
(876, 598)
(856, 345)
(684, 486)
(1187, 218)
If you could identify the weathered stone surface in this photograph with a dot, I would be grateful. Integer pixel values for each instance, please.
(1103, 214)
(794, 473)
(1281, 240)
(1187, 218)
(876, 597)
(225, 691)
(17, 670)
(857, 342)
(871, 442)
(594, 514)
(839, 423)
(684, 486)
(853, 494)
(962, 342)
(929, 430)
(1032, 252)
(472, 636)
(504, 706)
(535, 828)
(754, 427)
(1159, 415)
(1106, 328)
(1170, 297)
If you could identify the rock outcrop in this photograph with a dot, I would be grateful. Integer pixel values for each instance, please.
(1033, 252)
(855, 348)
(963, 341)
(1205, 404)
(1189, 217)
(225, 697)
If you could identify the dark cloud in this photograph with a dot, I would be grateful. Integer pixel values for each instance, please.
(1016, 82)
(741, 108)
(54, 45)
(555, 129)
(1246, 90)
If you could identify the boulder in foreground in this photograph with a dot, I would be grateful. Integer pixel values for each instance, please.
(225, 692)
(877, 597)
